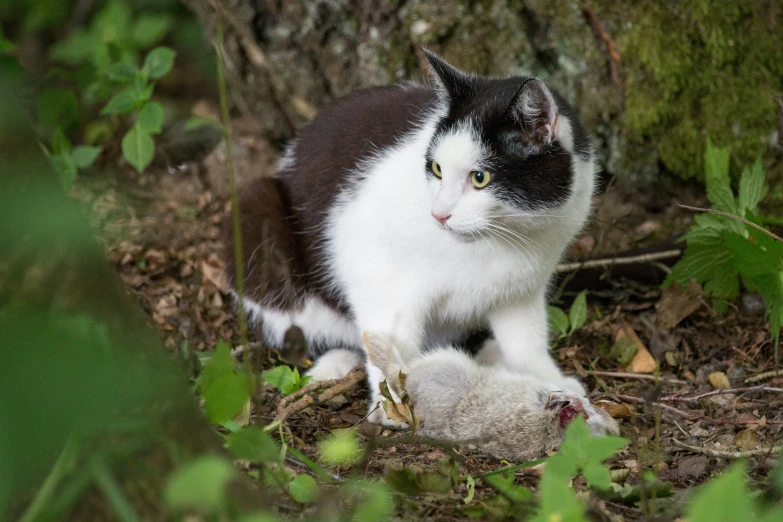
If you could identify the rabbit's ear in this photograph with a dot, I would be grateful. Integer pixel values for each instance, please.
(384, 354)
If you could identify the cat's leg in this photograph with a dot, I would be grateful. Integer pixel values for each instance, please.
(521, 331)
(335, 364)
(400, 325)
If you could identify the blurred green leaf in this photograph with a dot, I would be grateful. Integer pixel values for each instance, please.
(151, 117)
(725, 499)
(158, 62)
(65, 168)
(340, 447)
(150, 28)
(84, 155)
(57, 108)
(558, 501)
(752, 188)
(200, 485)
(122, 72)
(253, 444)
(138, 148)
(376, 504)
(716, 173)
(123, 102)
(303, 489)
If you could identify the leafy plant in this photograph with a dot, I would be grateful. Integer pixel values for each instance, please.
(225, 391)
(726, 249)
(565, 325)
(286, 379)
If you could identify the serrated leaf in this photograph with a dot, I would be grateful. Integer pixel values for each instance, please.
(558, 320)
(158, 62)
(151, 117)
(121, 72)
(724, 499)
(150, 28)
(558, 501)
(716, 174)
(200, 485)
(577, 316)
(253, 444)
(121, 103)
(84, 155)
(597, 475)
(303, 489)
(752, 187)
(138, 148)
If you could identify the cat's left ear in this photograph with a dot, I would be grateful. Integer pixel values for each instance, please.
(535, 110)
(452, 83)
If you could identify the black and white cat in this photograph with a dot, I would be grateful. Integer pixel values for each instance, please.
(421, 214)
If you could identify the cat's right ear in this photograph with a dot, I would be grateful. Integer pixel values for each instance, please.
(451, 82)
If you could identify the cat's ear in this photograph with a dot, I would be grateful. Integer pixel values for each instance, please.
(452, 83)
(535, 110)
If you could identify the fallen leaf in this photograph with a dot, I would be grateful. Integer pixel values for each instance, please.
(677, 303)
(719, 381)
(216, 276)
(618, 411)
(643, 361)
(694, 466)
(746, 440)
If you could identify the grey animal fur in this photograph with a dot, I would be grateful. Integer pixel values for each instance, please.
(506, 414)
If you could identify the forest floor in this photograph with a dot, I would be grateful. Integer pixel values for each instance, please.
(162, 232)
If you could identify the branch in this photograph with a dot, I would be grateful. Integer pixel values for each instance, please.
(721, 454)
(732, 216)
(764, 376)
(696, 398)
(610, 261)
(639, 400)
(303, 398)
(628, 375)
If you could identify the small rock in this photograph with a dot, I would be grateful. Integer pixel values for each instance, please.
(370, 429)
(698, 432)
(694, 466)
(725, 440)
(746, 440)
(724, 399)
(719, 381)
(752, 304)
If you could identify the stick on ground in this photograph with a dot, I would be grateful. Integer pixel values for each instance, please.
(722, 454)
(304, 397)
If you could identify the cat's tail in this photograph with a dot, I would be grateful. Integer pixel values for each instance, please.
(384, 354)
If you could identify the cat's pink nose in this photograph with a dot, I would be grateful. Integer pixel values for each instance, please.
(442, 218)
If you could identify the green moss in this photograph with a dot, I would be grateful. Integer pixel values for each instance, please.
(696, 68)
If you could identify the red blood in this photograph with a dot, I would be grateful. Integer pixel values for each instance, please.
(567, 414)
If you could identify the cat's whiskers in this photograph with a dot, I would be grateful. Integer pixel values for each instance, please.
(498, 232)
(530, 246)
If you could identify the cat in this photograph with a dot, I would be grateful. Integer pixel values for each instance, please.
(423, 213)
(504, 413)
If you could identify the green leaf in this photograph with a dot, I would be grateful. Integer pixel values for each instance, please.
(258, 517)
(158, 62)
(558, 501)
(200, 485)
(150, 28)
(65, 168)
(470, 485)
(752, 188)
(138, 148)
(123, 102)
(558, 320)
(122, 72)
(226, 398)
(377, 503)
(716, 172)
(578, 313)
(7, 46)
(57, 108)
(151, 117)
(303, 489)
(283, 378)
(253, 444)
(60, 142)
(220, 363)
(504, 483)
(597, 475)
(724, 499)
(340, 447)
(84, 155)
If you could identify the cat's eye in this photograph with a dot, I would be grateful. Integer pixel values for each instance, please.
(480, 178)
(436, 168)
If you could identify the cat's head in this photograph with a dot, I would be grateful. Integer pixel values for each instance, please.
(502, 153)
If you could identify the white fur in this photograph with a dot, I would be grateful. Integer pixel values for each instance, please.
(319, 323)
(335, 364)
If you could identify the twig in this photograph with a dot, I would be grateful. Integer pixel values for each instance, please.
(303, 398)
(764, 376)
(611, 261)
(722, 454)
(627, 375)
(639, 400)
(611, 48)
(732, 216)
(696, 398)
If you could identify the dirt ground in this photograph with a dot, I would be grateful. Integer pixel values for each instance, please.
(161, 231)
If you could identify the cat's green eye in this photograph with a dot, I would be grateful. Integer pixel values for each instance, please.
(436, 168)
(480, 178)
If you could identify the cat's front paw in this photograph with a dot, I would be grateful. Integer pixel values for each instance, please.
(572, 385)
